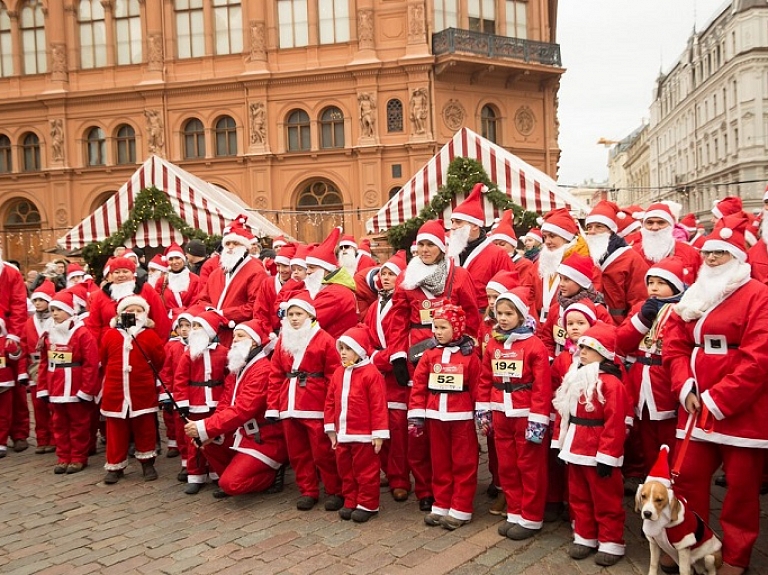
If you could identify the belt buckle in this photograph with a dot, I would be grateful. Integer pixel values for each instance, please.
(715, 345)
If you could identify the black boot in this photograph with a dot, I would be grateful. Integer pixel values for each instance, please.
(148, 469)
(279, 484)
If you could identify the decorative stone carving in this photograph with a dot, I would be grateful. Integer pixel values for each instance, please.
(258, 41)
(416, 24)
(57, 140)
(525, 120)
(367, 114)
(260, 202)
(365, 28)
(61, 216)
(420, 110)
(454, 114)
(59, 61)
(258, 114)
(155, 52)
(371, 198)
(155, 132)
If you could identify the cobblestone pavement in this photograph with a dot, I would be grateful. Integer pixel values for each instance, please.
(75, 524)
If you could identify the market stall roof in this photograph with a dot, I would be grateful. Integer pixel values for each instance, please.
(199, 203)
(527, 186)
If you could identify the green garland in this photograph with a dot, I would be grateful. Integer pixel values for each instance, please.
(150, 204)
(463, 174)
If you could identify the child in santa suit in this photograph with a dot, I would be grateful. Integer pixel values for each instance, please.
(68, 379)
(252, 456)
(589, 430)
(130, 357)
(516, 386)
(444, 394)
(303, 363)
(198, 385)
(356, 423)
(10, 368)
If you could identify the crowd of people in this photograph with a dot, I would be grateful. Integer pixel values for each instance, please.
(577, 350)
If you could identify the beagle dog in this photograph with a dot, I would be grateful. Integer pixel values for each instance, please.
(678, 531)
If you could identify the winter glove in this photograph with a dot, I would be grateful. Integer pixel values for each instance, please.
(535, 432)
(184, 412)
(484, 421)
(400, 369)
(166, 405)
(13, 349)
(649, 311)
(604, 470)
(23, 380)
(415, 426)
(467, 346)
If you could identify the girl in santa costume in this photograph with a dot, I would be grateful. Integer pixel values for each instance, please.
(516, 386)
(356, 423)
(198, 385)
(179, 287)
(130, 357)
(68, 380)
(444, 395)
(303, 362)
(589, 431)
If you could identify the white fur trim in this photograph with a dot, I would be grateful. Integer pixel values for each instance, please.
(575, 275)
(558, 231)
(251, 333)
(327, 266)
(663, 214)
(601, 219)
(496, 286)
(503, 237)
(237, 238)
(533, 236)
(516, 301)
(706, 399)
(629, 229)
(433, 239)
(726, 233)
(299, 262)
(716, 212)
(353, 345)
(592, 343)
(667, 276)
(300, 303)
(581, 308)
(467, 218)
(713, 245)
(62, 306)
(392, 267)
(132, 300)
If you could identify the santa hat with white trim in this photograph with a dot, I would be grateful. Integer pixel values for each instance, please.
(124, 303)
(347, 241)
(303, 301)
(630, 222)
(578, 268)
(728, 235)
(287, 252)
(63, 301)
(432, 231)
(324, 255)
(397, 263)
(254, 330)
(689, 222)
(358, 339)
(73, 270)
(672, 271)
(158, 263)
(211, 322)
(505, 231)
(660, 470)
(44, 291)
(183, 315)
(607, 213)
(471, 209)
(533, 234)
(561, 223)
(583, 306)
(504, 281)
(660, 210)
(300, 257)
(601, 337)
(727, 206)
(753, 225)
(364, 247)
(237, 232)
(279, 241)
(175, 251)
(518, 297)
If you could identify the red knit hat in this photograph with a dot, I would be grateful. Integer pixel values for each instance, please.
(358, 339)
(347, 240)
(158, 263)
(519, 298)
(578, 268)
(607, 213)
(505, 230)
(689, 222)
(63, 301)
(561, 223)
(728, 235)
(279, 241)
(121, 263)
(533, 234)
(324, 255)
(671, 270)
(174, 251)
(74, 270)
(727, 206)
(254, 330)
(397, 263)
(433, 231)
(212, 322)
(660, 470)
(454, 315)
(583, 306)
(660, 210)
(45, 290)
(471, 209)
(303, 301)
(287, 252)
(504, 281)
(300, 258)
(602, 338)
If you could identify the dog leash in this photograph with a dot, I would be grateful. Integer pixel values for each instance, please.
(707, 424)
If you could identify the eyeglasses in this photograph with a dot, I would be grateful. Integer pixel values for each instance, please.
(716, 253)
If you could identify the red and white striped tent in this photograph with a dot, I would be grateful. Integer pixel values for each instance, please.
(201, 204)
(527, 186)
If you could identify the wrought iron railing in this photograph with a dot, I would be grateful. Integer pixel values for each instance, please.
(452, 40)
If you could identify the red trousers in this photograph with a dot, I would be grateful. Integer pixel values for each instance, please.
(493, 460)
(359, 468)
(309, 451)
(20, 420)
(597, 508)
(522, 471)
(420, 464)
(181, 438)
(654, 434)
(197, 462)
(119, 434)
(43, 414)
(454, 451)
(740, 516)
(169, 419)
(394, 452)
(72, 431)
(6, 416)
(239, 473)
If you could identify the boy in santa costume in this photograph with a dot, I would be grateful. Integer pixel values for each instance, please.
(503, 235)
(130, 357)
(589, 430)
(198, 385)
(516, 387)
(356, 423)
(179, 287)
(68, 379)
(253, 454)
(10, 367)
(303, 363)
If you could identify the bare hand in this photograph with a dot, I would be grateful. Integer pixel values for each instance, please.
(191, 429)
(334, 440)
(377, 443)
(692, 403)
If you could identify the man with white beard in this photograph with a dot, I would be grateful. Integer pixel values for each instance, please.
(253, 455)
(757, 256)
(622, 269)
(351, 257)
(180, 287)
(658, 240)
(716, 355)
(231, 288)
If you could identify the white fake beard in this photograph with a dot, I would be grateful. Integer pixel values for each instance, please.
(314, 282)
(550, 260)
(658, 244)
(415, 272)
(178, 282)
(598, 245)
(580, 380)
(153, 276)
(198, 342)
(712, 285)
(59, 333)
(228, 261)
(294, 341)
(238, 355)
(458, 240)
(119, 291)
(348, 260)
(764, 227)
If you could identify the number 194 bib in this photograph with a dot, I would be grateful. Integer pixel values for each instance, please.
(508, 363)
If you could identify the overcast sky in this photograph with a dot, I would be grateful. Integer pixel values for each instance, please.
(612, 51)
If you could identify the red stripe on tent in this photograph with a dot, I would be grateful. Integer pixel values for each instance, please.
(537, 195)
(424, 191)
(182, 203)
(523, 198)
(553, 201)
(494, 173)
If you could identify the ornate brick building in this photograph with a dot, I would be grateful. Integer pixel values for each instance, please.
(302, 107)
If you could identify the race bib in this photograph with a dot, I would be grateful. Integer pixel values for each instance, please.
(59, 357)
(446, 378)
(558, 333)
(427, 311)
(2, 361)
(507, 364)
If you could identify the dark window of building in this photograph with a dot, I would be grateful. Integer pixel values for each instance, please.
(96, 147)
(194, 139)
(332, 128)
(6, 158)
(226, 137)
(126, 145)
(397, 170)
(394, 115)
(489, 123)
(298, 131)
(30, 152)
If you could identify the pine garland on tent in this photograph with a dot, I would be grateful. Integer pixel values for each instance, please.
(463, 173)
(150, 204)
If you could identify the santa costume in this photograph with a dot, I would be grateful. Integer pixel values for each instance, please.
(266, 307)
(505, 232)
(757, 256)
(179, 289)
(359, 261)
(10, 367)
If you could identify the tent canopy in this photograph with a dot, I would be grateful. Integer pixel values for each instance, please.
(201, 204)
(529, 187)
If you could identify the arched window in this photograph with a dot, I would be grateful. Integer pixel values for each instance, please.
(194, 139)
(190, 28)
(319, 194)
(229, 26)
(489, 123)
(24, 243)
(22, 214)
(125, 138)
(30, 152)
(33, 37)
(6, 46)
(93, 34)
(394, 191)
(6, 158)
(96, 147)
(332, 128)
(298, 131)
(128, 32)
(394, 115)
(226, 137)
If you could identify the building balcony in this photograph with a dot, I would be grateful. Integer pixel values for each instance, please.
(500, 48)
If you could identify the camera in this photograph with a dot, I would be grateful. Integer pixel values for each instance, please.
(127, 320)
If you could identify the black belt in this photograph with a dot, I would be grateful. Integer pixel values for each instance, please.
(421, 325)
(438, 391)
(699, 535)
(71, 364)
(586, 421)
(208, 383)
(614, 311)
(648, 360)
(729, 346)
(509, 387)
(35, 356)
(303, 375)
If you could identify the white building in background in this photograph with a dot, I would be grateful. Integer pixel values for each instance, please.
(628, 169)
(590, 192)
(708, 135)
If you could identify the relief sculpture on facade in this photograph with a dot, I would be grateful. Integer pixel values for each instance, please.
(155, 51)
(420, 110)
(365, 28)
(155, 132)
(258, 41)
(258, 123)
(57, 140)
(367, 114)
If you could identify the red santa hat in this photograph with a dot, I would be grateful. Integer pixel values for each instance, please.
(533, 234)
(414, 248)
(300, 258)
(397, 263)
(583, 306)
(174, 251)
(607, 213)
(237, 232)
(602, 338)
(453, 314)
(63, 301)
(728, 235)
(121, 263)
(79, 293)
(347, 241)
(158, 263)
(505, 231)
(689, 222)
(358, 340)
(211, 322)
(183, 315)
(504, 281)
(660, 210)
(254, 330)
(365, 247)
(578, 268)
(74, 270)
(630, 222)
(131, 255)
(279, 241)
(303, 301)
(518, 297)
(561, 223)
(727, 206)
(471, 209)
(753, 225)
(44, 291)
(126, 302)
(671, 270)
(287, 252)
(432, 231)
(323, 255)
(660, 470)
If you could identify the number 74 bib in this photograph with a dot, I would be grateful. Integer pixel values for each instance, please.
(507, 363)
(446, 377)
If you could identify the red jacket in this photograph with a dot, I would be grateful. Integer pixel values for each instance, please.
(623, 282)
(9, 368)
(13, 301)
(757, 257)
(265, 307)
(379, 321)
(102, 309)
(356, 404)
(177, 302)
(484, 262)
(336, 309)
(174, 349)
(199, 383)
(65, 378)
(30, 338)
(689, 255)
(232, 294)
